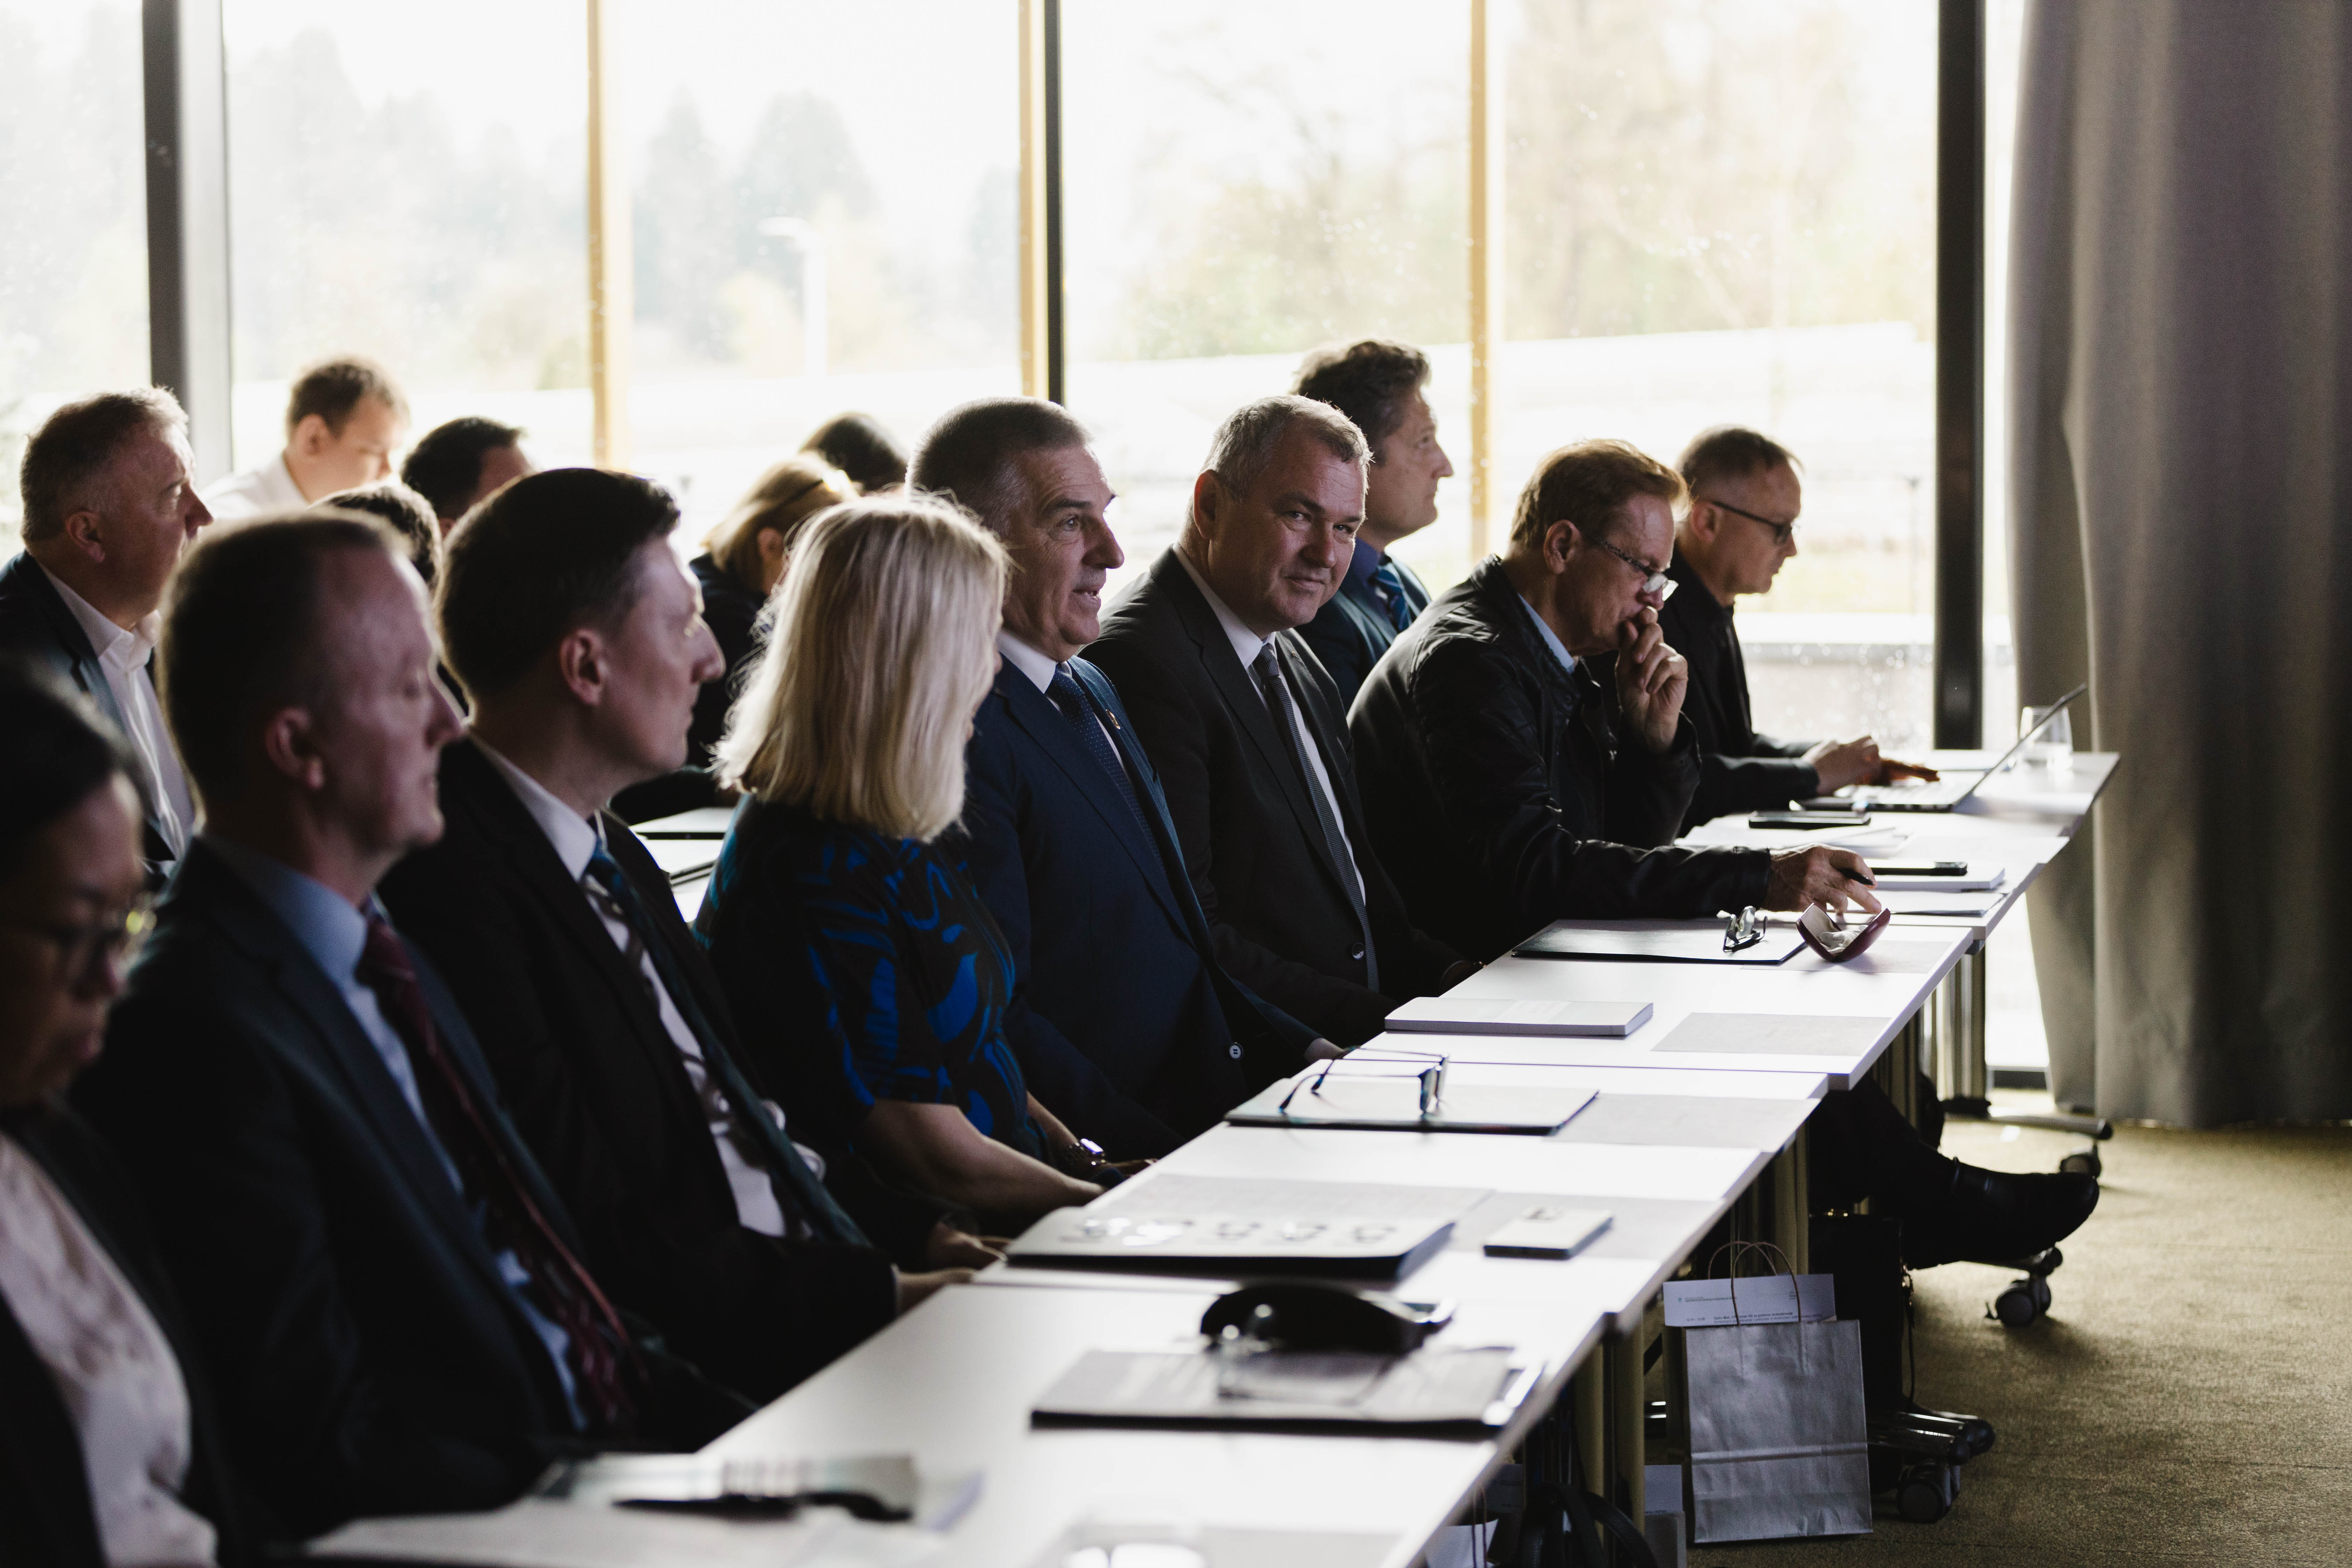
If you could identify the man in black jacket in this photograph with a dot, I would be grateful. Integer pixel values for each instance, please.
(1247, 732)
(1741, 528)
(1380, 385)
(386, 1289)
(108, 506)
(1125, 1021)
(579, 638)
(1509, 781)
(1497, 770)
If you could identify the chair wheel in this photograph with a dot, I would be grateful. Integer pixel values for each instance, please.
(2083, 1162)
(1926, 1492)
(2024, 1301)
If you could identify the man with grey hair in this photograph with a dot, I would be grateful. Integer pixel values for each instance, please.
(108, 506)
(1248, 731)
(1123, 1016)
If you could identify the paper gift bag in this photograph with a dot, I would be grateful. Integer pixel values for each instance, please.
(1778, 1443)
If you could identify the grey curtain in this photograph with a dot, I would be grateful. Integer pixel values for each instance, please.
(2180, 327)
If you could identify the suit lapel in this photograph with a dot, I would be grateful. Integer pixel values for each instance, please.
(1035, 714)
(1371, 622)
(1239, 689)
(477, 789)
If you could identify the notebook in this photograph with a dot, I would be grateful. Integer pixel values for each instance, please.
(1519, 1015)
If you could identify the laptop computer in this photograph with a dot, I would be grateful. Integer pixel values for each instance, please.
(1946, 793)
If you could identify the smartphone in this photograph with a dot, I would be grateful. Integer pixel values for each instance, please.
(1807, 819)
(1919, 867)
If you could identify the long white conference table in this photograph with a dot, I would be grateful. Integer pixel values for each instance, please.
(1674, 1140)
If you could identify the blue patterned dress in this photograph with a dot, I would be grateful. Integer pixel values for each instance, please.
(861, 968)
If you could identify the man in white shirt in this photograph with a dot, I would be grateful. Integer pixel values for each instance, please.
(108, 506)
(345, 419)
(579, 638)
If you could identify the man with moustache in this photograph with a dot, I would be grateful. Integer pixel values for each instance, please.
(1247, 729)
(1123, 1016)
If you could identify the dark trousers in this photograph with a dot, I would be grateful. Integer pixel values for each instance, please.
(1859, 1147)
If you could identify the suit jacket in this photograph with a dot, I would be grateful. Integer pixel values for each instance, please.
(596, 1087)
(1496, 785)
(370, 1357)
(1349, 633)
(1283, 922)
(45, 1516)
(1126, 1025)
(1738, 770)
(36, 625)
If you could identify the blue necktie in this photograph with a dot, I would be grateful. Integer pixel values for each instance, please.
(1385, 578)
(604, 880)
(1079, 709)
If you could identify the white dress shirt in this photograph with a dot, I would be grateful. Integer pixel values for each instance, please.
(270, 488)
(113, 1367)
(123, 656)
(575, 840)
(1247, 646)
(1040, 671)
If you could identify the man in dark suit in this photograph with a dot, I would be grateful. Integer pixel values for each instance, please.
(558, 937)
(1379, 385)
(1740, 530)
(108, 506)
(1509, 783)
(385, 1286)
(1123, 1017)
(1247, 732)
(1499, 770)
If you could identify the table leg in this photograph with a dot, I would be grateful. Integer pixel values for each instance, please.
(1961, 1076)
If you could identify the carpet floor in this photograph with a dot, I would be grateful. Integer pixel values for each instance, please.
(2188, 1399)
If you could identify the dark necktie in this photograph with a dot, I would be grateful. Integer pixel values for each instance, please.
(600, 1351)
(1391, 587)
(1267, 672)
(1079, 709)
(815, 1207)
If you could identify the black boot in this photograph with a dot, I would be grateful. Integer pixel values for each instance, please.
(1992, 1217)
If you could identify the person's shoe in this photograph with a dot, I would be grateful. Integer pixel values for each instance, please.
(1994, 1216)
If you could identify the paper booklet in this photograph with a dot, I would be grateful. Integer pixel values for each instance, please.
(1519, 1015)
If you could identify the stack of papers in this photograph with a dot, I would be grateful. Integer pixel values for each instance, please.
(1428, 1392)
(1520, 1016)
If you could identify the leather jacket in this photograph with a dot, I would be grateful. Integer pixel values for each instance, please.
(1499, 792)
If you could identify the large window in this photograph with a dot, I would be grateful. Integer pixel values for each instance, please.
(827, 219)
(1724, 211)
(410, 183)
(1242, 183)
(73, 267)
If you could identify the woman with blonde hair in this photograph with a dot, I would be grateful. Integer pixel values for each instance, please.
(742, 560)
(856, 955)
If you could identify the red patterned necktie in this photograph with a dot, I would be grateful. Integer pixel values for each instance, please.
(600, 1352)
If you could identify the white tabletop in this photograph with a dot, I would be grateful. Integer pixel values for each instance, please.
(953, 1382)
(1877, 992)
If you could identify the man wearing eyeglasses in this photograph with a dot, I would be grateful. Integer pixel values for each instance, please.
(1740, 530)
(1522, 748)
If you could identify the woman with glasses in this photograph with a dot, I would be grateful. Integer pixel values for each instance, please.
(107, 1455)
(855, 953)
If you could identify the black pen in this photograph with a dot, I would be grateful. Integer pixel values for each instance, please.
(1855, 876)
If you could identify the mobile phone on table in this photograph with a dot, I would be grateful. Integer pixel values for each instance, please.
(1919, 867)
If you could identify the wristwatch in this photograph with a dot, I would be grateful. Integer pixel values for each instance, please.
(1084, 1161)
